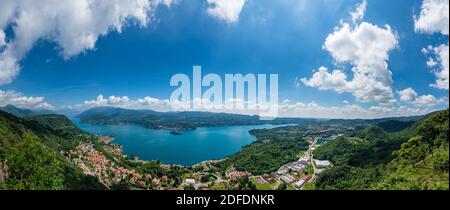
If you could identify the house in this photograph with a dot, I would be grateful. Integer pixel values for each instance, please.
(321, 164)
(235, 175)
(155, 182)
(297, 168)
(287, 179)
(190, 182)
(282, 171)
(299, 183)
(304, 160)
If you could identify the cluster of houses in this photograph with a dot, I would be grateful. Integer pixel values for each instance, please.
(95, 163)
(297, 166)
(322, 164)
(105, 139)
(231, 177)
(235, 175)
(289, 173)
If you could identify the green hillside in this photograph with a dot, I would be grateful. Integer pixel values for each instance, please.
(23, 112)
(31, 154)
(164, 120)
(415, 158)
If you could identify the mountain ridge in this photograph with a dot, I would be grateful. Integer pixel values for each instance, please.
(22, 112)
(191, 120)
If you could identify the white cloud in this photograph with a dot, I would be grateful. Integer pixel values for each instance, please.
(349, 111)
(426, 100)
(126, 102)
(410, 96)
(324, 80)
(8, 68)
(226, 10)
(434, 17)
(431, 63)
(360, 11)
(19, 100)
(2, 38)
(442, 73)
(74, 25)
(366, 47)
(287, 108)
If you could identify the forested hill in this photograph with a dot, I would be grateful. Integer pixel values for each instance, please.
(30, 153)
(24, 112)
(192, 120)
(414, 158)
(164, 120)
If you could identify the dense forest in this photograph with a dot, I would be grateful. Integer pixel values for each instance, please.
(414, 158)
(30, 154)
(272, 149)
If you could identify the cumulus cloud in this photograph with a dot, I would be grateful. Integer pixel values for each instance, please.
(434, 17)
(366, 47)
(226, 10)
(349, 111)
(441, 67)
(287, 108)
(18, 99)
(126, 102)
(426, 100)
(322, 79)
(2, 39)
(74, 25)
(410, 96)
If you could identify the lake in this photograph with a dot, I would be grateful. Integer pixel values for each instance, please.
(192, 147)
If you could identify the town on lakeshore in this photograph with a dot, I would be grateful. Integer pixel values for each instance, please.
(105, 160)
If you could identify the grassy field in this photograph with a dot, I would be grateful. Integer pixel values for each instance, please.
(269, 186)
(219, 186)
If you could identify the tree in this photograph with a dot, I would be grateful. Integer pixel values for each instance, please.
(204, 178)
(34, 167)
(282, 186)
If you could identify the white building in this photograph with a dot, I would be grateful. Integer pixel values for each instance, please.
(322, 164)
(299, 183)
(304, 160)
(190, 182)
(282, 171)
(297, 168)
(287, 179)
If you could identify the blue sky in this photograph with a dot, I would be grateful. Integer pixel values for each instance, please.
(286, 37)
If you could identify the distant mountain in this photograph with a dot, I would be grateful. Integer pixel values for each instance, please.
(192, 120)
(164, 120)
(19, 112)
(68, 112)
(373, 121)
(395, 125)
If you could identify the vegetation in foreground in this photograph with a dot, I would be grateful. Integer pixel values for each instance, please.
(412, 159)
(49, 152)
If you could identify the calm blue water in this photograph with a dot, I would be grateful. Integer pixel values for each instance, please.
(188, 149)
